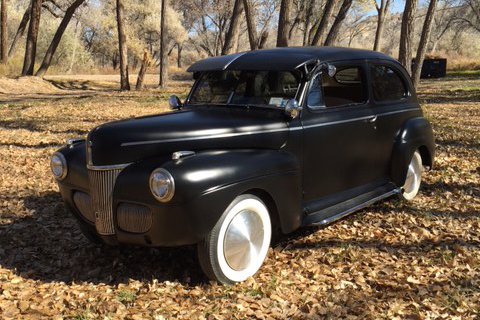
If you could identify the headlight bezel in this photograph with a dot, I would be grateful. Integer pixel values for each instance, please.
(63, 162)
(170, 185)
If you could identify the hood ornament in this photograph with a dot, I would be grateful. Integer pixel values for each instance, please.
(179, 155)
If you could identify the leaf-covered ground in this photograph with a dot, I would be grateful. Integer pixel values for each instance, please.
(418, 260)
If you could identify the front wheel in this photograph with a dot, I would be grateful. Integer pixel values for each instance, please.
(413, 179)
(238, 243)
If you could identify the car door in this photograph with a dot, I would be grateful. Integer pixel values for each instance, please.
(393, 102)
(339, 134)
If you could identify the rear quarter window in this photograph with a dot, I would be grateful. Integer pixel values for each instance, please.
(387, 83)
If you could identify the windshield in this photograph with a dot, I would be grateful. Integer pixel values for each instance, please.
(267, 88)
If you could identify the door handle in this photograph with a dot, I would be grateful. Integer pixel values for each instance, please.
(372, 119)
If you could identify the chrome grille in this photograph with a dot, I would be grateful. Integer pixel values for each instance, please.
(84, 204)
(134, 218)
(101, 184)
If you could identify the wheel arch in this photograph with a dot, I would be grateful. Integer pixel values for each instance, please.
(426, 156)
(415, 134)
(269, 201)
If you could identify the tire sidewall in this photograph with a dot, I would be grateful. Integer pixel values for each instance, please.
(411, 195)
(220, 265)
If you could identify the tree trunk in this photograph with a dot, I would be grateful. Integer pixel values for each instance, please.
(56, 39)
(382, 14)
(179, 55)
(306, 23)
(3, 33)
(233, 29)
(284, 23)
(263, 40)
(163, 47)
(251, 26)
(143, 70)
(422, 46)
(406, 35)
(122, 46)
(322, 26)
(74, 52)
(342, 13)
(20, 30)
(31, 45)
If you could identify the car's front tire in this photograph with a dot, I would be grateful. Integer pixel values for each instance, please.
(413, 179)
(237, 245)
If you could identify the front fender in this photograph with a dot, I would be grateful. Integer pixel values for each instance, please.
(415, 134)
(207, 182)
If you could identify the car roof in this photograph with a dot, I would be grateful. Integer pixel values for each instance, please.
(285, 58)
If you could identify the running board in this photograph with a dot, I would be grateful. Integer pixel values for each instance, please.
(310, 219)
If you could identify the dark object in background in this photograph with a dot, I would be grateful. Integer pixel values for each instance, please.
(433, 68)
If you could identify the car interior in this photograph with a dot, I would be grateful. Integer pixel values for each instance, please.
(345, 88)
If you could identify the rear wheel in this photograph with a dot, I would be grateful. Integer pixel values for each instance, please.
(413, 179)
(238, 243)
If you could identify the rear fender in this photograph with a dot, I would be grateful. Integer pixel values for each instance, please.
(415, 134)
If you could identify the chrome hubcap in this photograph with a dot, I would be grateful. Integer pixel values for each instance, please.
(413, 175)
(243, 240)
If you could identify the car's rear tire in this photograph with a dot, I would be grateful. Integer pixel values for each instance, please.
(413, 179)
(238, 244)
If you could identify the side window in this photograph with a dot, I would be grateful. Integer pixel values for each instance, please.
(315, 94)
(345, 88)
(387, 84)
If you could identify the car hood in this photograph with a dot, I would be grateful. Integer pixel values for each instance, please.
(199, 128)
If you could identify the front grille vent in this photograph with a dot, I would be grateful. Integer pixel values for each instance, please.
(134, 218)
(101, 184)
(83, 202)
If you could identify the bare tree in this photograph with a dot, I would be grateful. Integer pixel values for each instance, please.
(382, 14)
(422, 46)
(31, 45)
(322, 26)
(163, 47)
(20, 30)
(406, 35)
(284, 23)
(342, 13)
(356, 24)
(122, 46)
(306, 22)
(470, 16)
(3, 32)
(233, 29)
(251, 26)
(442, 22)
(179, 54)
(299, 17)
(58, 36)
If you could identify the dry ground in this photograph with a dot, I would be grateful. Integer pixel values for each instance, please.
(418, 260)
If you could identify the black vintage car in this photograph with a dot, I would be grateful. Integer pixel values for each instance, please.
(267, 141)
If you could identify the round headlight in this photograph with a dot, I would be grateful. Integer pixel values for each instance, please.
(58, 164)
(162, 185)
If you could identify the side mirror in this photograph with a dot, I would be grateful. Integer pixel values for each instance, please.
(175, 103)
(292, 109)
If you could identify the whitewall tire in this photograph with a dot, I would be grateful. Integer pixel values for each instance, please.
(238, 244)
(413, 179)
